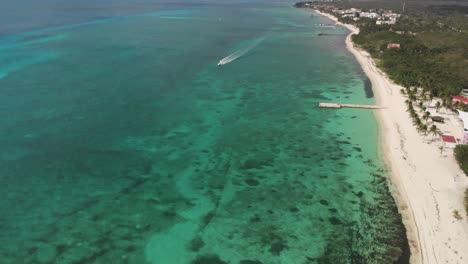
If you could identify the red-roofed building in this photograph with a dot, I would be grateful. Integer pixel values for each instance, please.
(460, 98)
(393, 46)
(449, 141)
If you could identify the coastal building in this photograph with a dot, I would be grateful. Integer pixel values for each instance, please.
(464, 92)
(459, 98)
(346, 11)
(385, 22)
(393, 46)
(382, 17)
(369, 15)
(449, 141)
(464, 118)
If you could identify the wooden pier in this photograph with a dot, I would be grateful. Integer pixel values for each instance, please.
(335, 105)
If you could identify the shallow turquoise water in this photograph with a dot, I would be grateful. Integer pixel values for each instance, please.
(124, 142)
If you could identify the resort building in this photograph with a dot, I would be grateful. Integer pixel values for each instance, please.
(385, 22)
(369, 15)
(449, 141)
(382, 17)
(393, 46)
(464, 92)
(460, 98)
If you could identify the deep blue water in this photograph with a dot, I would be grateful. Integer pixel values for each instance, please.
(25, 15)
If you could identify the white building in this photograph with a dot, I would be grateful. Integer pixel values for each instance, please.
(385, 22)
(369, 15)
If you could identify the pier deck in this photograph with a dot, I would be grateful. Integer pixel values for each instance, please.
(335, 105)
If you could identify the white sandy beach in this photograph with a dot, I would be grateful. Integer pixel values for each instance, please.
(427, 185)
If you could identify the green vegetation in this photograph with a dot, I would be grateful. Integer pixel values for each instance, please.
(461, 155)
(457, 215)
(414, 7)
(466, 202)
(441, 149)
(433, 53)
(415, 103)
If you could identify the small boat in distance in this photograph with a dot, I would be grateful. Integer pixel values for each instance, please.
(232, 57)
(240, 53)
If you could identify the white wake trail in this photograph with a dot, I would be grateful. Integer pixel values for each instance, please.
(239, 53)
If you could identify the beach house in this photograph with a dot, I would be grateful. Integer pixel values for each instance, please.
(393, 46)
(449, 141)
(461, 99)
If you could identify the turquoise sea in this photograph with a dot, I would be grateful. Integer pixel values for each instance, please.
(122, 141)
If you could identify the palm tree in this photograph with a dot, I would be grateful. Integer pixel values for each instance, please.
(444, 102)
(438, 105)
(408, 90)
(441, 148)
(434, 130)
(409, 108)
(426, 115)
(447, 101)
(431, 96)
(425, 96)
(423, 128)
(419, 127)
(417, 122)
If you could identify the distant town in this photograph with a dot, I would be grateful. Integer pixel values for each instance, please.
(381, 16)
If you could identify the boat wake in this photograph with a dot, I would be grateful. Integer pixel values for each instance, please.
(234, 56)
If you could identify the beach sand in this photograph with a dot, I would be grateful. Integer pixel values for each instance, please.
(427, 185)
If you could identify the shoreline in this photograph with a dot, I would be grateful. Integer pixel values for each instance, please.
(426, 186)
